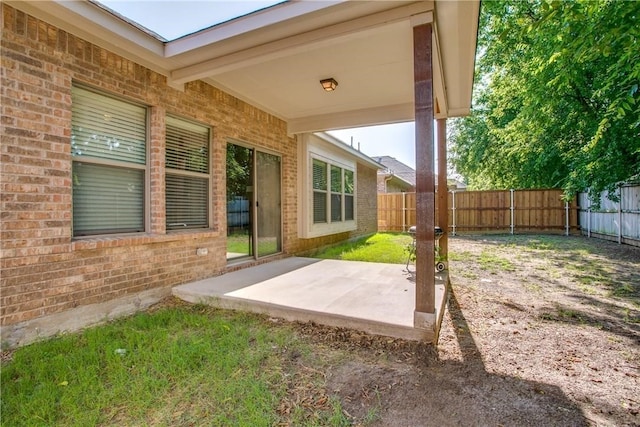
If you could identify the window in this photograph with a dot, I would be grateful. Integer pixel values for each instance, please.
(338, 202)
(348, 195)
(336, 193)
(327, 192)
(108, 148)
(319, 191)
(187, 175)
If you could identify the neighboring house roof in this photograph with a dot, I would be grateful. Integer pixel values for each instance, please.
(456, 184)
(275, 58)
(397, 168)
(406, 174)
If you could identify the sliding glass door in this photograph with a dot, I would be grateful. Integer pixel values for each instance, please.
(269, 220)
(254, 218)
(239, 202)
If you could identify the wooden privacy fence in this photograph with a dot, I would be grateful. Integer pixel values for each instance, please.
(618, 221)
(502, 211)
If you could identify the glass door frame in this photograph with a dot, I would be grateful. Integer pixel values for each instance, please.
(253, 202)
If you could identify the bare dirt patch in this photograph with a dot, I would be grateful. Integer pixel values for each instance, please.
(539, 331)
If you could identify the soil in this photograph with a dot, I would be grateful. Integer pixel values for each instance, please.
(539, 331)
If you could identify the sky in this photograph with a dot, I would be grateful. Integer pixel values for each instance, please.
(395, 140)
(173, 19)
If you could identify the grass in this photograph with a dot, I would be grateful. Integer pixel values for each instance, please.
(390, 248)
(240, 243)
(174, 366)
(491, 262)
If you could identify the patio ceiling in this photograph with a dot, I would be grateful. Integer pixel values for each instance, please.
(274, 58)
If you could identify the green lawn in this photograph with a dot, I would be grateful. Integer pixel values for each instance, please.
(184, 365)
(388, 248)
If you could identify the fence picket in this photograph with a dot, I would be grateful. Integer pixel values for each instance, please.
(524, 211)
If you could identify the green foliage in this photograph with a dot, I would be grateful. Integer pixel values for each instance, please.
(239, 163)
(557, 100)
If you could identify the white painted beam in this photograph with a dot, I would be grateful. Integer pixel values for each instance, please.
(355, 118)
(237, 27)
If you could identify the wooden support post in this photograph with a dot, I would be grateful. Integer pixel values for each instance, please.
(424, 315)
(443, 191)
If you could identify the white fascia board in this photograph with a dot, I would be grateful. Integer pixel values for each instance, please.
(457, 38)
(347, 119)
(349, 149)
(321, 37)
(400, 180)
(421, 19)
(439, 83)
(245, 24)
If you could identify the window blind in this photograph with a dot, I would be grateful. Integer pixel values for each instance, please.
(319, 175)
(336, 179)
(186, 202)
(187, 146)
(319, 207)
(107, 199)
(319, 191)
(106, 128)
(348, 195)
(348, 207)
(348, 182)
(187, 177)
(108, 147)
(336, 207)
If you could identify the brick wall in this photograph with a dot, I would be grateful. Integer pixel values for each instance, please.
(367, 200)
(45, 270)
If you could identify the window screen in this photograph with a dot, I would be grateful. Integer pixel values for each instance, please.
(107, 128)
(319, 175)
(187, 177)
(348, 195)
(319, 191)
(107, 199)
(108, 147)
(336, 193)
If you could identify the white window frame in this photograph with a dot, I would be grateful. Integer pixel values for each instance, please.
(313, 149)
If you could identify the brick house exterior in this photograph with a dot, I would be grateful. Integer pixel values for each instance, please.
(46, 272)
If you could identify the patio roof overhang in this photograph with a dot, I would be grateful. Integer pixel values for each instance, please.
(275, 58)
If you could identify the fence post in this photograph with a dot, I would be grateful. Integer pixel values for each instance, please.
(589, 216)
(453, 212)
(620, 214)
(512, 213)
(566, 218)
(404, 211)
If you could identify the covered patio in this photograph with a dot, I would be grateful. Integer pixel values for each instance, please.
(371, 297)
(387, 61)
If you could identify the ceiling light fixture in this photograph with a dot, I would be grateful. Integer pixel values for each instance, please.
(329, 85)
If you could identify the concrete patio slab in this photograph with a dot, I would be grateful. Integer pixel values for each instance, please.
(371, 297)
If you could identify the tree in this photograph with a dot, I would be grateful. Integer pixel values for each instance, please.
(557, 98)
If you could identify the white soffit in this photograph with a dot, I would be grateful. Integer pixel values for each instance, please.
(275, 58)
